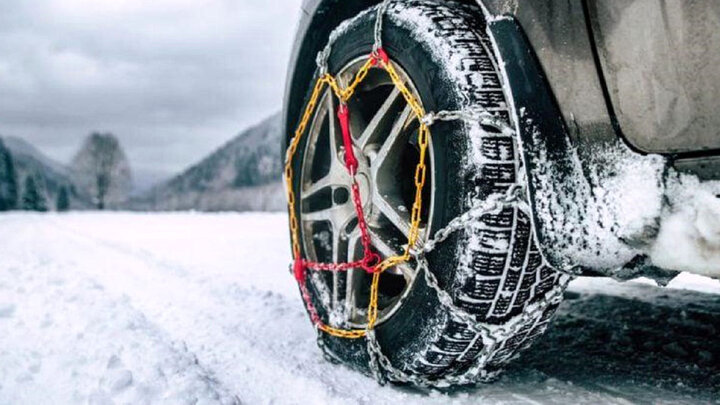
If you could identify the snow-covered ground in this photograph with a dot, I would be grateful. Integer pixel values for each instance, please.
(199, 308)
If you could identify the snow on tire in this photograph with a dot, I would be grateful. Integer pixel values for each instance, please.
(493, 269)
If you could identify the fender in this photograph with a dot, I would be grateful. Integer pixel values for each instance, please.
(595, 209)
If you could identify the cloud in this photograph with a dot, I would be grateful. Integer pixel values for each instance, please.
(173, 79)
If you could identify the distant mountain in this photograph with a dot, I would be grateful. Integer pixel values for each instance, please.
(20, 147)
(242, 175)
(50, 175)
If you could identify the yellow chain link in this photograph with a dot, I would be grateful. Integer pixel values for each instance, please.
(309, 109)
(345, 95)
(420, 174)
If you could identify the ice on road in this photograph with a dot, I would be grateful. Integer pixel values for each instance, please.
(199, 309)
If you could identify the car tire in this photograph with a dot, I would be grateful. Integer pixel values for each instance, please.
(492, 269)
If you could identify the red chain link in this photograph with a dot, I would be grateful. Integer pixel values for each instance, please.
(379, 56)
(370, 260)
(350, 160)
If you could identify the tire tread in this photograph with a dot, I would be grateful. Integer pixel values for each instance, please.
(507, 271)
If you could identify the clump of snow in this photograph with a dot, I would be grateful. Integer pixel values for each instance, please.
(599, 211)
(689, 238)
(614, 205)
(627, 190)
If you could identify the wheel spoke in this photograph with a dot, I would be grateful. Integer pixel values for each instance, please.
(335, 179)
(350, 289)
(336, 256)
(321, 184)
(338, 215)
(379, 120)
(336, 259)
(337, 175)
(336, 163)
(385, 194)
(391, 142)
(386, 205)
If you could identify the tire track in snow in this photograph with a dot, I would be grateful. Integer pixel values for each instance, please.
(68, 331)
(250, 354)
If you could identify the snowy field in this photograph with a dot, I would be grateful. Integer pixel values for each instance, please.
(199, 309)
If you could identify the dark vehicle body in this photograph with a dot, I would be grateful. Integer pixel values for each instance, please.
(643, 71)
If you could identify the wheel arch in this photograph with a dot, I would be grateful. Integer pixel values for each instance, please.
(563, 176)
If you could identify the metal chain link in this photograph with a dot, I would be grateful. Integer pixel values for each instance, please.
(492, 339)
(324, 55)
(474, 114)
(491, 336)
(492, 205)
(378, 26)
(382, 369)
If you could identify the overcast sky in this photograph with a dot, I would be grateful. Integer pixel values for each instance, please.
(173, 79)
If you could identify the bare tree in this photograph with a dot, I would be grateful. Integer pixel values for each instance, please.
(101, 169)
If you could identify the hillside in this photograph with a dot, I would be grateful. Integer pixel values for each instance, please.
(23, 149)
(242, 175)
(51, 174)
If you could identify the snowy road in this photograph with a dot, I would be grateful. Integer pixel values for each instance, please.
(199, 308)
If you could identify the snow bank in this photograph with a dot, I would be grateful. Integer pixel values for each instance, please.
(618, 205)
(689, 238)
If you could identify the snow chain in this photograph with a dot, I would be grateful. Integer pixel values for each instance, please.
(379, 364)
